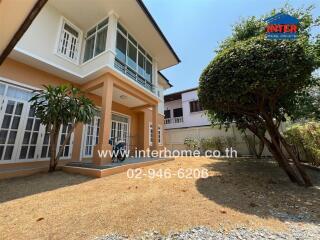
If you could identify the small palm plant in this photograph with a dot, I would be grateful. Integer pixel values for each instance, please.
(57, 106)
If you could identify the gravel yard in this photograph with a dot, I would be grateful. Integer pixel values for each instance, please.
(240, 199)
(204, 233)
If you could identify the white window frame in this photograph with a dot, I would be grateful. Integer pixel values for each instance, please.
(95, 40)
(128, 126)
(137, 45)
(64, 21)
(150, 134)
(160, 135)
(21, 130)
(95, 135)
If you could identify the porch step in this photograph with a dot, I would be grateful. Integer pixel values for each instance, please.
(110, 169)
(20, 172)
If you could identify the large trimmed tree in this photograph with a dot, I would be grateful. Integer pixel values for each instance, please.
(255, 82)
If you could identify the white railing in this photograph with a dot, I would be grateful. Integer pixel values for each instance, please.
(174, 120)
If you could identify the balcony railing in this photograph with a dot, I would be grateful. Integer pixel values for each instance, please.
(174, 120)
(133, 75)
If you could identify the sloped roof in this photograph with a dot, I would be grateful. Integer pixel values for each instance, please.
(282, 18)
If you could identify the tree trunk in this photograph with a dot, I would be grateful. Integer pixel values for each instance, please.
(276, 137)
(286, 168)
(54, 135)
(297, 163)
(260, 148)
(275, 149)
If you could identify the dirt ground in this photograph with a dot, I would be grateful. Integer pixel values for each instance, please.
(239, 192)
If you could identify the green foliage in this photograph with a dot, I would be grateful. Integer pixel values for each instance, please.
(306, 105)
(61, 105)
(256, 83)
(250, 74)
(212, 143)
(306, 140)
(191, 144)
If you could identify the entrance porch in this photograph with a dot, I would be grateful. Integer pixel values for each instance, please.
(126, 113)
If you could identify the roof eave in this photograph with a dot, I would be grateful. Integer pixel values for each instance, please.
(146, 11)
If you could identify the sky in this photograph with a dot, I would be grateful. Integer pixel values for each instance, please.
(195, 28)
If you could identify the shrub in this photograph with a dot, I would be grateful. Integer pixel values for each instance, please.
(191, 144)
(213, 143)
(306, 141)
(216, 143)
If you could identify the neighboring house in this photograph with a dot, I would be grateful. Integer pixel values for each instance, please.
(182, 109)
(185, 118)
(113, 50)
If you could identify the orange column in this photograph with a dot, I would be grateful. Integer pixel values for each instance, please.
(77, 143)
(155, 127)
(105, 125)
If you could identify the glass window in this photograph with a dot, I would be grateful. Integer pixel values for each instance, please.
(177, 112)
(2, 88)
(88, 53)
(121, 47)
(148, 75)
(132, 56)
(69, 42)
(195, 106)
(141, 64)
(134, 42)
(160, 134)
(101, 41)
(122, 29)
(96, 39)
(103, 23)
(68, 28)
(150, 134)
(167, 114)
(18, 93)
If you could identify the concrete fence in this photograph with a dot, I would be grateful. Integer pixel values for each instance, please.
(174, 138)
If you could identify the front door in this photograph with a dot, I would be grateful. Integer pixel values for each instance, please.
(120, 129)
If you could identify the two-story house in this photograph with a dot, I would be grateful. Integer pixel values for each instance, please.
(112, 50)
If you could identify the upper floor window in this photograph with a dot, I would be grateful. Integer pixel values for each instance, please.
(130, 53)
(69, 42)
(195, 106)
(177, 112)
(96, 39)
(167, 114)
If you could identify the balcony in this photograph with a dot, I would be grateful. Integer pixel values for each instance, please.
(133, 75)
(175, 120)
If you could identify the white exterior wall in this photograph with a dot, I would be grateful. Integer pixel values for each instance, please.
(41, 41)
(170, 106)
(194, 119)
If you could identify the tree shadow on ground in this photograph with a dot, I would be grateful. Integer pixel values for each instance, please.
(15, 188)
(259, 187)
